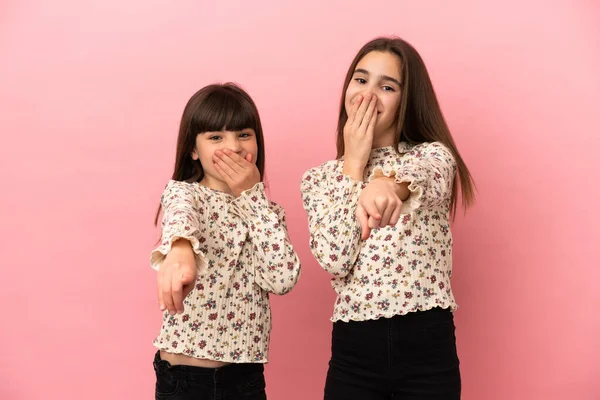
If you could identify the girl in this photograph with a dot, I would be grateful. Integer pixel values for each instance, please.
(224, 248)
(379, 223)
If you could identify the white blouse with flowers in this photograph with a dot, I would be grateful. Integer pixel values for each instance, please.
(398, 269)
(243, 253)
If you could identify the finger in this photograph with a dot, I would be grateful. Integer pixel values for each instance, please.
(381, 202)
(360, 113)
(387, 215)
(238, 159)
(188, 274)
(167, 291)
(161, 303)
(363, 220)
(249, 157)
(353, 108)
(368, 116)
(188, 279)
(372, 123)
(232, 160)
(371, 209)
(386, 207)
(226, 169)
(223, 175)
(396, 214)
(177, 290)
(373, 223)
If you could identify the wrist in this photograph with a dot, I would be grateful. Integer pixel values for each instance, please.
(401, 189)
(354, 170)
(240, 191)
(181, 244)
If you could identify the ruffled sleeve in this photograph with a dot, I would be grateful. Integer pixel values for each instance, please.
(181, 220)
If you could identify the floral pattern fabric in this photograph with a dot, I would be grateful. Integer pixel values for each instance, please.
(243, 253)
(398, 269)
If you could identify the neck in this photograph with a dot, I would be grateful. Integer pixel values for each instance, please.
(384, 139)
(214, 183)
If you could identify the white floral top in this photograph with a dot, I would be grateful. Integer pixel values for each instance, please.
(398, 269)
(242, 253)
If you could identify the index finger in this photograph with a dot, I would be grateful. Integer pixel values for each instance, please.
(363, 220)
(159, 287)
(354, 104)
(236, 158)
(177, 291)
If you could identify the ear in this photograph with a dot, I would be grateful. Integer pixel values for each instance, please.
(194, 155)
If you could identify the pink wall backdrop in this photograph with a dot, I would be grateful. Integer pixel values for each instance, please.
(90, 97)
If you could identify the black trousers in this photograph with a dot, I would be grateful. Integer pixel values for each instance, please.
(406, 357)
(231, 382)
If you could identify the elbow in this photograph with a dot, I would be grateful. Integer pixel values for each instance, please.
(288, 281)
(283, 287)
(333, 265)
(335, 261)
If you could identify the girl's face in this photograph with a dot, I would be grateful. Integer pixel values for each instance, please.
(207, 143)
(378, 73)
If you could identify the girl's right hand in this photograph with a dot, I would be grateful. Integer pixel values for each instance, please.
(358, 135)
(379, 205)
(176, 277)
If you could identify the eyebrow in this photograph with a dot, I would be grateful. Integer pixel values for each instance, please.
(383, 77)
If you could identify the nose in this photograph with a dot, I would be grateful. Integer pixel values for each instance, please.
(234, 145)
(368, 91)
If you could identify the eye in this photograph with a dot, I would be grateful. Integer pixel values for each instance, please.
(388, 89)
(245, 135)
(214, 138)
(361, 81)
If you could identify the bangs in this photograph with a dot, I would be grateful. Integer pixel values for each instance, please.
(224, 109)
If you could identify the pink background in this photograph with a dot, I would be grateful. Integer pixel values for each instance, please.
(90, 97)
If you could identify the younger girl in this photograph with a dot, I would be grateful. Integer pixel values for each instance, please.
(224, 248)
(379, 219)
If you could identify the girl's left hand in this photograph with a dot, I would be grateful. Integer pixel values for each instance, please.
(240, 173)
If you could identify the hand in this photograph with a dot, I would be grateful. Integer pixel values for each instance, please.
(240, 173)
(378, 205)
(176, 277)
(358, 135)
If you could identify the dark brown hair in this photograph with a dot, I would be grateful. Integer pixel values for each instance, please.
(214, 108)
(419, 117)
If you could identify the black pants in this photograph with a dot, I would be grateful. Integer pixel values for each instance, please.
(231, 382)
(406, 357)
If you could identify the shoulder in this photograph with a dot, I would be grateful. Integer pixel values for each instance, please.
(180, 191)
(434, 150)
(322, 172)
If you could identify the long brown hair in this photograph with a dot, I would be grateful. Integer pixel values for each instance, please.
(419, 117)
(216, 107)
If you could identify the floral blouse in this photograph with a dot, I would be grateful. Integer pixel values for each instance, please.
(243, 253)
(398, 269)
